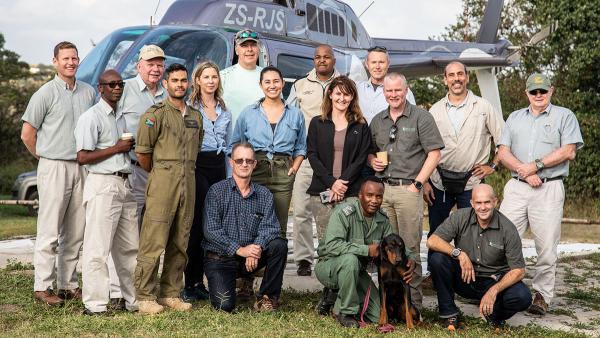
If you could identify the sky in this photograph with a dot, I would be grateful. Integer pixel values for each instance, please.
(31, 28)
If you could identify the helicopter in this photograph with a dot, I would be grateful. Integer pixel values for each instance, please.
(193, 31)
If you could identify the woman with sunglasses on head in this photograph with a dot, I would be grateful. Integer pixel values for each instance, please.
(338, 144)
(210, 165)
(277, 133)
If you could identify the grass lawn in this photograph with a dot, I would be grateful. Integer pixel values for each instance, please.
(15, 221)
(21, 316)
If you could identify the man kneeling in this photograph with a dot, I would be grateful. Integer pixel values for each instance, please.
(486, 262)
(241, 235)
(353, 234)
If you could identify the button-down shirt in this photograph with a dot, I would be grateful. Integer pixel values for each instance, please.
(240, 88)
(371, 100)
(472, 144)
(54, 110)
(530, 138)
(416, 136)
(136, 100)
(493, 250)
(289, 136)
(99, 128)
(217, 133)
(232, 221)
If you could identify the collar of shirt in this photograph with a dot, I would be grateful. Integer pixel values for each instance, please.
(63, 84)
(406, 112)
(547, 110)
(461, 104)
(494, 222)
(105, 107)
(258, 105)
(312, 76)
(142, 86)
(185, 109)
(369, 84)
(233, 186)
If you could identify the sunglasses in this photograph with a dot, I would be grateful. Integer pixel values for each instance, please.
(538, 91)
(377, 49)
(247, 34)
(113, 84)
(241, 161)
(393, 131)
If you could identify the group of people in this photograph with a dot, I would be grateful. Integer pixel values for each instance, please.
(208, 179)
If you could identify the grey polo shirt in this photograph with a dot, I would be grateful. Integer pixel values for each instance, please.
(136, 100)
(54, 110)
(530, 137)
(495, 249)
(99, 128)
(416, 136)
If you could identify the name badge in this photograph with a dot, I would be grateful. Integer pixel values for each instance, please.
(191, 124)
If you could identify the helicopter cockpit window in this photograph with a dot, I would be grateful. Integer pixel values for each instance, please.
(188, 47)
(293, 67)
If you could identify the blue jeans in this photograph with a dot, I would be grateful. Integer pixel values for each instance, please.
(221, 273)
(446, 275)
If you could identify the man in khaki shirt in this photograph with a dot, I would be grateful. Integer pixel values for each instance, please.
(467, 123)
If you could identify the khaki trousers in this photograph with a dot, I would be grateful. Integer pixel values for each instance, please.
(138, 180)
(111, 231)
(304, 246)
(405, 210)
(60, 224)
(541, 210)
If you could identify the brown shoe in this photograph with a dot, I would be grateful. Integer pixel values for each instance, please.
(539, 305)
(70, 294)
(48, 297)
(264, 304)
(150, 307)
(304, 268)
(175, 303)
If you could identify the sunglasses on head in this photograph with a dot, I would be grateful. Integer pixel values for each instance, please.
(113, 84)
(538, 91)
(241, 161)
(393, 131)
(248, 34)
(377, 49)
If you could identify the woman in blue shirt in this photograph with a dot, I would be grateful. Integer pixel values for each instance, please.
(210, 165)
(278, 135)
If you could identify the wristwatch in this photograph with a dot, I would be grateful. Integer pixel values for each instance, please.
(539, 164)
(494, 166)
(418, 185)
(455, 253)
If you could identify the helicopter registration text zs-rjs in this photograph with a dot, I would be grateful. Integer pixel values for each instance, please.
(259, 18)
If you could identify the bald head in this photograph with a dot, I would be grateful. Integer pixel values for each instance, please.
(111, 73)
(483, 190)
(324, 49)
(324, 61)
(110, 86)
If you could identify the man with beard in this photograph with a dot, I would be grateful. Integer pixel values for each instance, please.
(169, 135)
(307, 94)
(111, 222)
(468, 124)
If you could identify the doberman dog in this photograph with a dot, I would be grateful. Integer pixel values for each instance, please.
(396, 303)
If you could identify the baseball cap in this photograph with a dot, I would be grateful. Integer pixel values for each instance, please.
(537, 81)
(246, 35)
(150, 52)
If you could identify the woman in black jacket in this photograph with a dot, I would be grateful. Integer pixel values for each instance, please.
(338, 143)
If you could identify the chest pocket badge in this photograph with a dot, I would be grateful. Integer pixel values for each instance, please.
(497, 246)
(191, 124)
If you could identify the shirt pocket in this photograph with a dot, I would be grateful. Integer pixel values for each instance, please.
(549, 135)
(253, 222)
(495, 253)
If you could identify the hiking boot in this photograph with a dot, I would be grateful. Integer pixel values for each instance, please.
(496, 325)
(264, 304)
(150, 307)
(70, 294)
(327, 301)
(194, 293)
(116, 304)
(539, 305)
(451, 323)
(175, 303)
(304, 268)
(246, 289)
(48, 297)
(347, 320)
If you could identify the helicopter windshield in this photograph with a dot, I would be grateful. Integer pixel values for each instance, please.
(187, 46)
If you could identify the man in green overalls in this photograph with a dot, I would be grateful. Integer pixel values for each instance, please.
(167, 145)
(352, 238)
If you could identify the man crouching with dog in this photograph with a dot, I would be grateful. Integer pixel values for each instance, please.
(486, 262)
(352, 238)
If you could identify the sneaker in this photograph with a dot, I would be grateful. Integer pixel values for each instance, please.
(264, 304)
(327, 301)
(48, 297)
(451, 323)
(150, 307)
(539, 305)
(175, 303)
(70, 294)
(304, 268)
(246, 289)
(347, 320)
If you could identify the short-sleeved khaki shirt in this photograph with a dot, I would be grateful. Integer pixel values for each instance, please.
(170, 135)
(493, 250)
(416, 136)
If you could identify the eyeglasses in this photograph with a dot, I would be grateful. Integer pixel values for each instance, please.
(535, 92)
(247, 34)
(113, 84)
(377, 49)
(241, 161)
(393, 131)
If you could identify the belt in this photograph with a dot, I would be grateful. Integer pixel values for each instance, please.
(544, 180)
(396, 181)
(274, 154)
(121, 175)
(134, 162)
